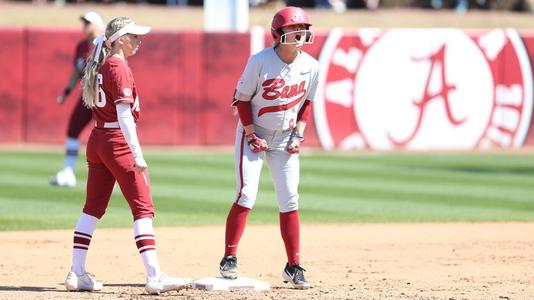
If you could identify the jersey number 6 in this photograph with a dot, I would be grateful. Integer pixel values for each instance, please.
(101, 96)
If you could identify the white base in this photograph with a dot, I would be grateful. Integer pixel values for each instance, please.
(223, 284)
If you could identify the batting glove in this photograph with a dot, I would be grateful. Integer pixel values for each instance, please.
(256, 144)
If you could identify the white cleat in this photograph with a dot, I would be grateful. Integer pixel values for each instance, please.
(65, 178)
(228, 267)
(85, 282)
(165, 283)
(295, 275)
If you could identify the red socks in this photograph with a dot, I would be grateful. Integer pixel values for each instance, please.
(235, 225)
(290, 230)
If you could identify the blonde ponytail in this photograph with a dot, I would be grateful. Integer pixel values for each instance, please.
(89, 78)
(89, 81)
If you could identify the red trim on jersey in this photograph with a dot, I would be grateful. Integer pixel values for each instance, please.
(304, 112)
(282, 107)
(241, 153)
(244, 108)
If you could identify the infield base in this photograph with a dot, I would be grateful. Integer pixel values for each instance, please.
(223, 284)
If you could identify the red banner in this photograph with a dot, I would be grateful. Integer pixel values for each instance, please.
(424, 89)
(394, 89)
(12, 85)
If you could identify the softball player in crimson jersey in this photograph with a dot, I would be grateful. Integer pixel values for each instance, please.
(273, 99)
(114, 155)
(93, 25)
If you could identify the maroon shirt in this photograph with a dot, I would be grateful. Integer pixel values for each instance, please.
(116, 85)
(83, 50)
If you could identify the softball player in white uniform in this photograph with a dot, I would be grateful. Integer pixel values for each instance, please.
(273, 99)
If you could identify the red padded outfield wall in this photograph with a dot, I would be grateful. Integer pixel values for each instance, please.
(12, 85)
(395, 89)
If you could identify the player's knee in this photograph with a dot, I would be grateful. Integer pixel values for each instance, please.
(143, 212)
(73, 134)
(96, 212)
(246, 201)
(246, 197)
(290, 205)
(289, 208)
(143, 215)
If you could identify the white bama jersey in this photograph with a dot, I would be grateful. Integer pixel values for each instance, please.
(278, 90)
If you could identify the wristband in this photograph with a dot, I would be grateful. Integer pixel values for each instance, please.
(296, 135)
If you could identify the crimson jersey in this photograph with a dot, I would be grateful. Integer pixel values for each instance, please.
(83, 50)
(116, 85)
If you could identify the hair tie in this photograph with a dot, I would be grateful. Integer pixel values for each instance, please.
(98, 42)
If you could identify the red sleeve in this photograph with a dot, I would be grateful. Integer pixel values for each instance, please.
(244, 109)
(82, 52)
(122, 85)
(77, 54)
(304, 112)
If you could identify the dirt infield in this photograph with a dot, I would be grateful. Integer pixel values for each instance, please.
(369, 261)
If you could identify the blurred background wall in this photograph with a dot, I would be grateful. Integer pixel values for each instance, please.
(186, 78)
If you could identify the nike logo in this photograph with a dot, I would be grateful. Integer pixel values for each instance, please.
(232, 246)
(304, 72)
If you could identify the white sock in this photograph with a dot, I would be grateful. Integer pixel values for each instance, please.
(146, 243)
(71, 152)
(82, 238)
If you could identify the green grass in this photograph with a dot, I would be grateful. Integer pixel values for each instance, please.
(197, 188)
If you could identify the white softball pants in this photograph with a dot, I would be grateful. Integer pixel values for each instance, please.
(284, 167)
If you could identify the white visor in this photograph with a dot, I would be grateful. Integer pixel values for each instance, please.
(131, 28)
(93, 18)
